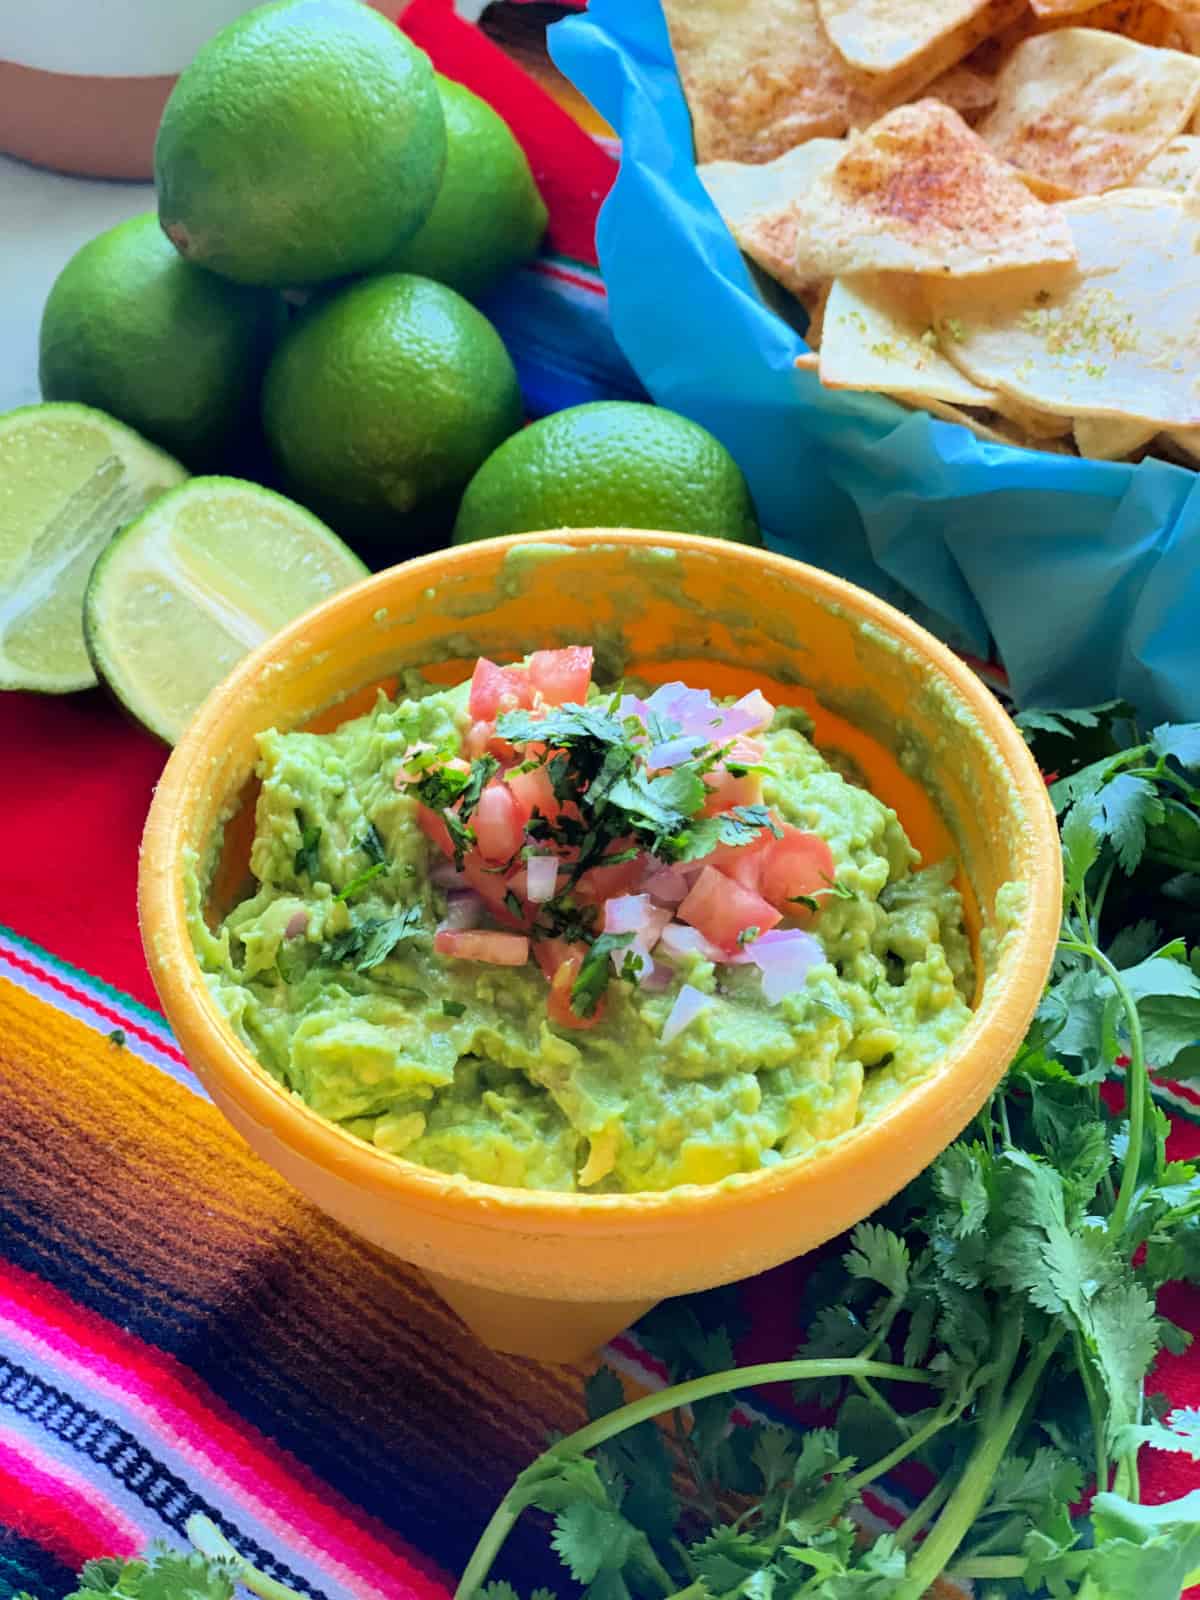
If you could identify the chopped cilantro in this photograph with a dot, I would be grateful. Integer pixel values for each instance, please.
(558, 769)
(480, 775)
(307, 857)
(748, 935)
(514, 905)
(453, 1008)
(372, 846)
(116, 1037)
(358, 884)
(462, 837)
(366, 943)
(592, 979)
(439, 787)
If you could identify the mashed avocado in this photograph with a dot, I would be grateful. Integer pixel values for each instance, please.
(330, 974)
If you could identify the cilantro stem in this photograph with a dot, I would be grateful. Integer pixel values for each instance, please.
(504, 1517)
(920, 1515)
(975, 1484)
(907, 1447)
(1094, 1411)
(1137, 1079)
(989, 1567)
(211, 1542)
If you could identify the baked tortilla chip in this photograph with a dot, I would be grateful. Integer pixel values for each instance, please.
(883, 35)
(758, 204)
(1084, 111)
(1118, 337)
(1111, 438)
(1177, 167)
(919, 192)
(964, 90)
(877, 336)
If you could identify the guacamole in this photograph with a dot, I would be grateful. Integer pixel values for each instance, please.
(550, 937)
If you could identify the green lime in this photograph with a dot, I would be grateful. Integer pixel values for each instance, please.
(488, 216)
(304, 142)
(209, 572)
(172, 351)
(383, 399)
(610, 464)
(69, 478)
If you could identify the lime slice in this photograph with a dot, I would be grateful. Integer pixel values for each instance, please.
(208, 573)
(69, 478)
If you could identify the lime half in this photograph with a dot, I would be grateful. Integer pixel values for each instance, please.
(69, 478)
(209, 572)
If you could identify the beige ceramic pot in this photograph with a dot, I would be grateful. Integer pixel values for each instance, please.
(83, 82)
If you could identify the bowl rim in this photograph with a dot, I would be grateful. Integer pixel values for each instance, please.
(999, 1021)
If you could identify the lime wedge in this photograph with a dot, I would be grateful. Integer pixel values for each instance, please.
(69, 478)
(185, 591)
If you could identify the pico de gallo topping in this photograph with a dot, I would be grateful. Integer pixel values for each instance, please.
(603, 837)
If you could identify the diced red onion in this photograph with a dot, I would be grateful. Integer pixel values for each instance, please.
(678, 940)
(758, 706)
(730, 724)
(541, 877)
(297, 924)
(464, 909)
(689, 1003)
(630, 705)
(784, 956)
(445, 876)
(674, 751)
(626, 913)
(668, 887)
(657, 978)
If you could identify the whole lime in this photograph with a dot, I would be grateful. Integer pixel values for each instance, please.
(172, 351)
(381, 401)
(303, 143)
(610, 464)
(488, 216)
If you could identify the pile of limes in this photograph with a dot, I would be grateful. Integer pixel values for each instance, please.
(298, 314)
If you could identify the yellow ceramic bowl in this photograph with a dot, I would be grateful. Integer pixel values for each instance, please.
(552, 1275)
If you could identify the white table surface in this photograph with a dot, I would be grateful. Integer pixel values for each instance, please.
(44, 218)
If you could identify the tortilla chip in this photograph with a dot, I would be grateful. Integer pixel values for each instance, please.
(1177, 167)
(757, 204)
(760, 76)
(1144, 21)
(1030, 422)
(884, 35)
(1085, 111)
(964, 90)
(976, 421)
(807, 361)
(919, 192)
(1062, 8)
(1119, 337)
(877, 336)
(1187, 442)
(1111, 438)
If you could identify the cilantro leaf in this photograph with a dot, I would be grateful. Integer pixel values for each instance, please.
(562, 725)
(1168, 998)
(1180, 740)
(1081, 848)
(592, 977)
(372, 846)
(439, 787)
(307, 858)
(1065, 722)
(959, 1180)
(1123, 808)
(589, 1538)
(880, 1255)
(368, 942)
(480, 775)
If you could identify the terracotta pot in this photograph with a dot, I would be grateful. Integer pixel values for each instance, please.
(553, 1275)
(82, 86)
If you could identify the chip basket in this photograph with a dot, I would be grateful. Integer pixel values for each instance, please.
(1082, 576)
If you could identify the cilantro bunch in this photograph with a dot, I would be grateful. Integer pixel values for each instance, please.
(995, 1324)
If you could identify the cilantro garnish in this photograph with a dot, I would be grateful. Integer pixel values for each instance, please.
(592, 978)
(480, 775)
(453, 1008)
(364, 944)
(372, 846)
(514, 905)
(307, 858)
(359, 883)
(116, 1037)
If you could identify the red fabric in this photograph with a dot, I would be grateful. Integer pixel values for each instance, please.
(573, 173)
(78, 780)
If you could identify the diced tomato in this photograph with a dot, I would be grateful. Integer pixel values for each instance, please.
(726, 791)
(495, 689)
(476, 739)
(800, 863)
(481, 944)
(602, 883)
(493, 887)
(551, 953)
(722, 909)
(497, 822)
(562, 676)
(558, 1003)
(433, 825)
(742, 862)
(533, 791)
